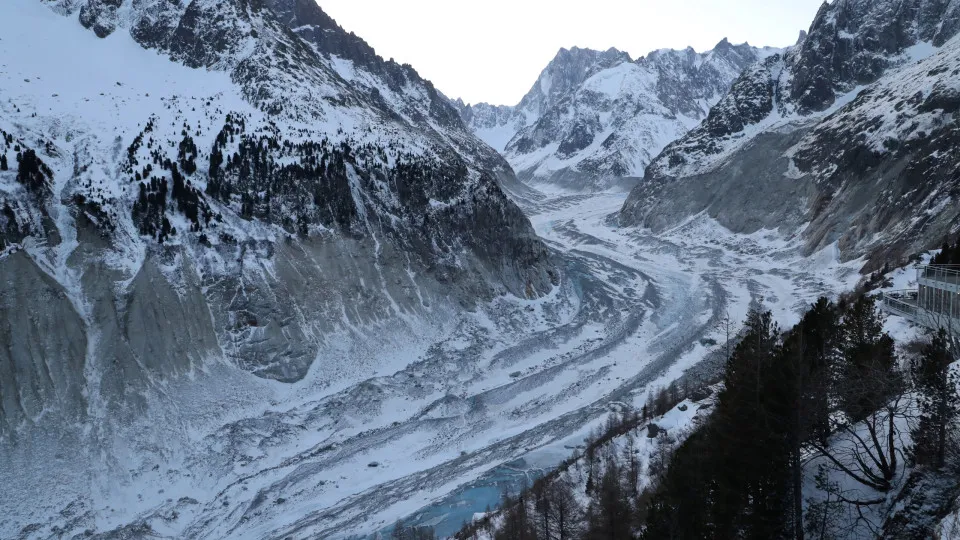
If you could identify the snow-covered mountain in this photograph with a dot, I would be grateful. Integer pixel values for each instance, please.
(215, 190)
(257, 282)
(499, 124)
(851, 134)
(595, 119)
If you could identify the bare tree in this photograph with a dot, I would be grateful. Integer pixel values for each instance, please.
(567, 516)
(867, 447)
(659, 462)
(871, 393)
(726, 325)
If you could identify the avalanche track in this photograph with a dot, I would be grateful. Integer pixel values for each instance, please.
(514, 382)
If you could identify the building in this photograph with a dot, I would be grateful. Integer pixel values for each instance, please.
(936, 302)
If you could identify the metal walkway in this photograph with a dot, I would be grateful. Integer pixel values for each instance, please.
(906, 304)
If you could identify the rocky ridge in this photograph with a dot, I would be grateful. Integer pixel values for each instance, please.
(595, 119)
(848, 134)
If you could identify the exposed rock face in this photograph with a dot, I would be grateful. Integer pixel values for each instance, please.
(854, 42)
(796, 133)
(498, 125)
(309, 22)
(851, 43)
(595, 119)
(289, 194)
(752, 191)
(886, 159)
(100, 16)
(45, 346)
(565, 74)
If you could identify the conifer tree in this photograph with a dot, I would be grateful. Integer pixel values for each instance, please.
(32, 172)
(937, 399)
(683, 503)
(805, 362)
(516, 524)
(567, 513)
(750, 498)
(732, 479)
(868, 374)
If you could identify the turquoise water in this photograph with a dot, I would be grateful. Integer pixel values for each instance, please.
(449, 514)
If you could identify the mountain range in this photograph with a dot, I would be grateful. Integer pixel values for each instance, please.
(850, 135)
(259, 282)
(595, 119)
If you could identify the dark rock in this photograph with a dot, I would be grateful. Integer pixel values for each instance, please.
(851, 43)
(924, 501)
(700, 394)
(315, 26)
(100, 16)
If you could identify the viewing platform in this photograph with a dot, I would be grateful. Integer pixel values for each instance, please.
(936, 302)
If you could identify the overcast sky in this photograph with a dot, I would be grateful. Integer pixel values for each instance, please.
(493, 50)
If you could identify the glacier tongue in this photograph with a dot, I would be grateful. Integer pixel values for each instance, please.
(384, 426)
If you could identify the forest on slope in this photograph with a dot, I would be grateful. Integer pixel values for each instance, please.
(830, 429)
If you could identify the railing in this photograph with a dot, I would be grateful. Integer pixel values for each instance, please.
(949, 273)
(903, 303)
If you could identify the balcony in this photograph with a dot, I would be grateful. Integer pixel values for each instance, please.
(903, 304)
(936, 303)
(944, 276)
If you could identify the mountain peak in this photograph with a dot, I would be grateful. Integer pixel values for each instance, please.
(587, 53)
(568, 69)
(823, 68)
(553, 135)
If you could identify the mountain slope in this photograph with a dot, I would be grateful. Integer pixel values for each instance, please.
(801, 130)
(594, 118)
(195, 192)
(499, 124)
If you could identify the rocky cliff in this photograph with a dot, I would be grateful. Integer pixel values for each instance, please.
(594, 119)
(239, 181)
(850, 136)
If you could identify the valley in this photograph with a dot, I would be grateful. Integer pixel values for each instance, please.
(517, 379)
(364, 301)
(632, 314)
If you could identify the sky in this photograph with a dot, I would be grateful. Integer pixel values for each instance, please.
(494, 50)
